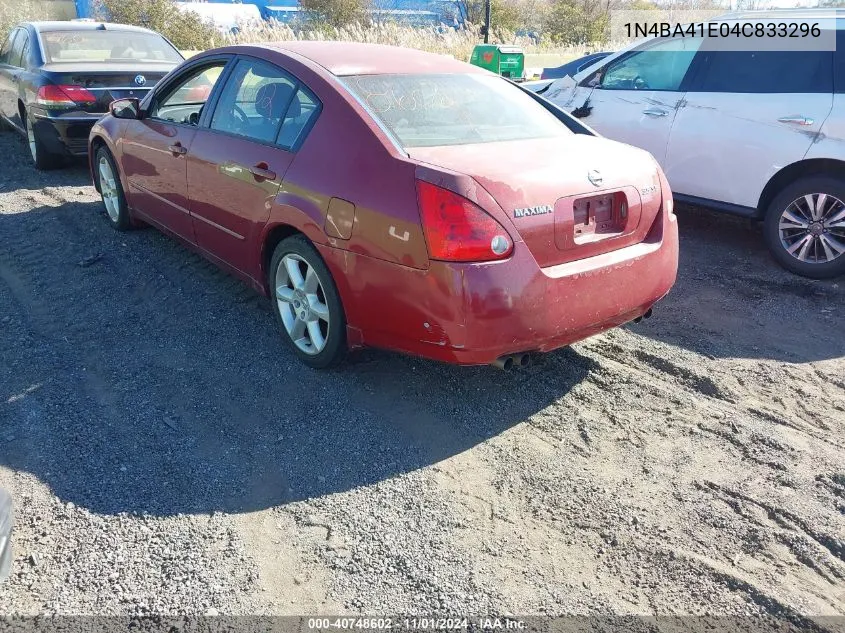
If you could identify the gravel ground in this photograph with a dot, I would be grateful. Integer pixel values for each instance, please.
(167, 455)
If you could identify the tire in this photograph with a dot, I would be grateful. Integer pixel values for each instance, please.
(815, 236)
(309, 310)
(41, 157)
(6, 526)
(108, 181)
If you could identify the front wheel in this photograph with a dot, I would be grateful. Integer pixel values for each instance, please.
(805, 227)
(307, 303)
(117, 211)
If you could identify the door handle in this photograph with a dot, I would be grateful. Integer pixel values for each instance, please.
(655, 112)
(262, 172)
(797, 119)
(178, 149)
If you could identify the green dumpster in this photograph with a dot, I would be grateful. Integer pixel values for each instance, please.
(507, 61)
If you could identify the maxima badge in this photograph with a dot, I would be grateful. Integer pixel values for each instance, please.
(525, 212)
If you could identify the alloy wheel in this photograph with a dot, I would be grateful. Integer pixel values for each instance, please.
(30, 137)
(302, 304)
(108, 189)
(812, 228)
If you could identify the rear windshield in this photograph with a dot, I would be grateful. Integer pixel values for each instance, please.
(107, 46)
(437, 110)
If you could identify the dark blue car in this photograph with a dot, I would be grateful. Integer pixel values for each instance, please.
(573, 67)
(58, 78)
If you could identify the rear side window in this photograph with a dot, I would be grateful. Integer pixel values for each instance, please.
(439, 110)
(25, 55)
(765, 72)
(301, 114)
(262, 102)
(254, 101)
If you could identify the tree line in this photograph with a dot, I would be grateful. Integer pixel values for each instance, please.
(564, 22)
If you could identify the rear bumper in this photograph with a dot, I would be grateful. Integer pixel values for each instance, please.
(471, 314)
(66, 136)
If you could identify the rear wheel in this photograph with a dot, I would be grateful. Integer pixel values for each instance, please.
(41, 157)
(805, 227)
(307, 303)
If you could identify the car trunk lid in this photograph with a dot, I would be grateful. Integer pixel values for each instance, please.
(107, 82)
(567, 198)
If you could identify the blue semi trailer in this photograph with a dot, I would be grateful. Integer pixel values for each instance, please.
(417, 12)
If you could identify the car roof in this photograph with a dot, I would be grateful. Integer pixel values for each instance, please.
(353, 58)
(83, 25)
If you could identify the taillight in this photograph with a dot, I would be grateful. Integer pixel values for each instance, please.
(51, 95)
(458, 230)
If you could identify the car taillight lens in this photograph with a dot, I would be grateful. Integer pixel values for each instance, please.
(63, 95)
(458, 230)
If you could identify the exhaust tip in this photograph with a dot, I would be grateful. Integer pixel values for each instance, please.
(524, 360)
(505, 363)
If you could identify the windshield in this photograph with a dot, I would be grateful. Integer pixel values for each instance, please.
(107, 46)
(436, 110)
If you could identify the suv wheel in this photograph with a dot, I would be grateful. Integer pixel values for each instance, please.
(805, 227)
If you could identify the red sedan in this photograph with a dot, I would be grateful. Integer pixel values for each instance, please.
(392, 198)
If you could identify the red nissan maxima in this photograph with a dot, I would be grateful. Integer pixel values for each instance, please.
(393, 198)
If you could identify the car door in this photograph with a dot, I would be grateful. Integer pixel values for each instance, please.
(830, 143)
(747, 114)
(155, 147)
(8, 77)
(238, 160)
(634, 98)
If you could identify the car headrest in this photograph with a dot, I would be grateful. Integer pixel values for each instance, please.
(271, 100)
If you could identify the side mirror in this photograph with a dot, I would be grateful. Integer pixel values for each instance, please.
(5, 534)
(126, 108)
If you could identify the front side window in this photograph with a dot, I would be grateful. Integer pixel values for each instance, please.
(184, 101)
(6, 51)
(661, 66)
(16, 55)
(105, 46)
(435, 110)
(766, 72)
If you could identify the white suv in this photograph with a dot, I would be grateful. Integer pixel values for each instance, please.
(757, 134)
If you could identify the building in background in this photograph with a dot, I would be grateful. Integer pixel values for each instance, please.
(450, 13)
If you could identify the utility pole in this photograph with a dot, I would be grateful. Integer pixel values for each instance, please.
(488, 10)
